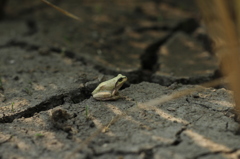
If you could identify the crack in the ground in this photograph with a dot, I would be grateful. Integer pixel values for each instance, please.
(30, 47)
(148, 58)
(178, 139)
(155, 28)
(149, 62)
(187, 26)
(75, 96)
(149, 55)
(45, 105)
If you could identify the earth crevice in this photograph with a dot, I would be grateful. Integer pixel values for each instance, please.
(74, 96)
(149, 63)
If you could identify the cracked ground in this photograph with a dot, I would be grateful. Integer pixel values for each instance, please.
(50, 64)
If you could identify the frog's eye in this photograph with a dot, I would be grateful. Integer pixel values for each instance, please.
(120, 79)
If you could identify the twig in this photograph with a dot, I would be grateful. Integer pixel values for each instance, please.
(62, 11)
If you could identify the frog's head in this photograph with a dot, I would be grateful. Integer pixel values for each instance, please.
(120, 81)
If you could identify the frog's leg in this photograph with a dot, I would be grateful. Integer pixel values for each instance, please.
(114, 97)
(106, 96)
(102, 96)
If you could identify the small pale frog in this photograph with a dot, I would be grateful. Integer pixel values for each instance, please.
(108, 90)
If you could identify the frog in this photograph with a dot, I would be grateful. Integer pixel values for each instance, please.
(108, 90)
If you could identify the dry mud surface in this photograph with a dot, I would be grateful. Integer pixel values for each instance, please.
(50, 64)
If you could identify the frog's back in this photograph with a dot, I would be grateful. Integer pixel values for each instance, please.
(100, 87)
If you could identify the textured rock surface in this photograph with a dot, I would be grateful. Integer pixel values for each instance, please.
(50, 64)
(123, 40)
(183, 59)
(180, 128)
(31, 80)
